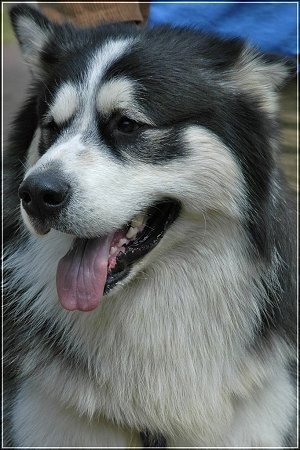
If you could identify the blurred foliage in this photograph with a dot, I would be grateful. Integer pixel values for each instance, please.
(8, 35)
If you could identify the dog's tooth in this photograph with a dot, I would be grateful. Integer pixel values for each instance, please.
(122, 242)
(113, 250)
(138, 220)
(131, 232)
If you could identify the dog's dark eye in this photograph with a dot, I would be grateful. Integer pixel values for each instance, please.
(119, 129)
(125, 125)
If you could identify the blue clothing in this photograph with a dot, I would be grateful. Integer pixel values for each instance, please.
(272, 27)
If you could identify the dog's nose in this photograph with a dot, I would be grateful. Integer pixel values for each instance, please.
(45, 194)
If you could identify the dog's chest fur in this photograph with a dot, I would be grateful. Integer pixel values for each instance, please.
(173, 366)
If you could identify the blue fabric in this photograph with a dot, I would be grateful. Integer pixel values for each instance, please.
(270, 26)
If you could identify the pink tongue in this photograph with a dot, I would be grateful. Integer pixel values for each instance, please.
(82, 272)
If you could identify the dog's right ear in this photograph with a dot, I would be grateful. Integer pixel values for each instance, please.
(33, 31)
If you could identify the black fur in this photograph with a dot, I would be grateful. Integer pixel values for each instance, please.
(153, 440)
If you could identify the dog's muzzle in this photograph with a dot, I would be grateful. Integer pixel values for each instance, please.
(95, 264)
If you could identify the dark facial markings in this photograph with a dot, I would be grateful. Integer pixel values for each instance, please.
(128, 138)
(118, 131)
(127, 126)
(50, 132)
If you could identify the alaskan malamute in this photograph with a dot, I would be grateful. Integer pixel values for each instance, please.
(150, 275)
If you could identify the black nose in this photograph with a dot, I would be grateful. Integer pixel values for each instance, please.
(45, 194)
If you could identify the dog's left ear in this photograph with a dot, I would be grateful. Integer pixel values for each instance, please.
(33, 31)
(261, 76)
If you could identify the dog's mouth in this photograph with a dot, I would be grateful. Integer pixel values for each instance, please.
(92, 267)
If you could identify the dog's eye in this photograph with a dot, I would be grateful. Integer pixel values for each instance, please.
(125, 125)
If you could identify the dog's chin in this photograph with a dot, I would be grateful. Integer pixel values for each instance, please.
(94, 265)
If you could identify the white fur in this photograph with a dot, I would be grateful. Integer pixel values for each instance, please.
(63, 425)
(117, 95)
(65, 103)
(259, 79)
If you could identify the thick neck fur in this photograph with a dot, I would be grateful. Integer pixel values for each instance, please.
(170, 344)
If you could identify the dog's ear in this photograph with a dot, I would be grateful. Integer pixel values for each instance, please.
(33, 31)
(261, 76)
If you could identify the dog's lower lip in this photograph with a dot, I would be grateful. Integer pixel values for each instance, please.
(40, 229)
(42, 232)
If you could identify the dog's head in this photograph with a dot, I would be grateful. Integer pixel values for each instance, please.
(136, 127)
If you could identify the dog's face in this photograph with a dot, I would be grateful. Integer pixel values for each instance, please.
(134, 129)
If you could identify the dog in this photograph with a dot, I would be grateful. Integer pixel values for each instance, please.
(150, 242)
